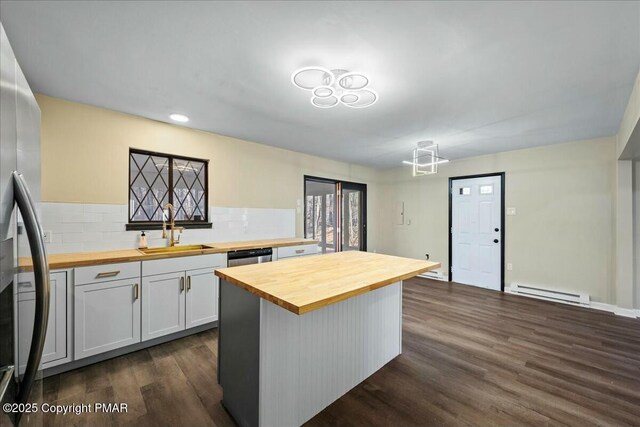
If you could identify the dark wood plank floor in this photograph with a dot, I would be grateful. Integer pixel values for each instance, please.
(470, 357)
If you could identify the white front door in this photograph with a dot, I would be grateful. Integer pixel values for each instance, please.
(476, 225)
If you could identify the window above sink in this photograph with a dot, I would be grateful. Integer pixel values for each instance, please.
(156, 179)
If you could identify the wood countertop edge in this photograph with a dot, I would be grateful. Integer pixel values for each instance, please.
(225, 247)
(264, 295)
(102, 258)
(303, 309)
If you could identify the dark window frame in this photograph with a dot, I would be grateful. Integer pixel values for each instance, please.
(157, 225)
(340, 184)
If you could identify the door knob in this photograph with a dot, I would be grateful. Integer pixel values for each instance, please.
(495, 240)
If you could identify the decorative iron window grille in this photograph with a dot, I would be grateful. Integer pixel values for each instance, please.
(156, 179)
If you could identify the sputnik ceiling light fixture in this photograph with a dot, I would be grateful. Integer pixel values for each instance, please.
(330, 88)
(425, 159)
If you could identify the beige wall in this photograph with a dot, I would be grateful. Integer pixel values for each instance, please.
(628, 148)
(636, 227)
(85, 160)
(624, 234)
(563, 234)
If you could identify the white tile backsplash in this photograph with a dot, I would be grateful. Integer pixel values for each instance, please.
(73, 217)
(77, 227)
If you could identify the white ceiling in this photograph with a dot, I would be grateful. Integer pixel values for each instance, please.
(475, 77)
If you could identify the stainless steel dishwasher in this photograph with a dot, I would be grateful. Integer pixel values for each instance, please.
(249, 256)
(234, 259)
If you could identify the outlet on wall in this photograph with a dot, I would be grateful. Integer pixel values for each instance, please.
(46, 236)
(509, 266)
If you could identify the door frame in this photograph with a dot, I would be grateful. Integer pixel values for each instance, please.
(502, 210)
(363, 229)
(354, 185)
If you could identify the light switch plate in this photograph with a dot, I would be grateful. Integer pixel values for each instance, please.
(509, 266)
(511, 211)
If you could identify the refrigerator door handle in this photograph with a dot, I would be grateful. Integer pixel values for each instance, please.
(7, 377)
(41, 273)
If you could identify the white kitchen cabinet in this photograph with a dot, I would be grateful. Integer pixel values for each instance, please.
(201, 297)
(179, 293)
(296, 251)
(163, 305)
(107, 316)
(106, 273)
(56, 343)
(172, 265)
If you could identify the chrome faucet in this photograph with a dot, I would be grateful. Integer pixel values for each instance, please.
(172, 224)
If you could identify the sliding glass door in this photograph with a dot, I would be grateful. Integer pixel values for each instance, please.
(353, 216)
(321, 220)
(335, 214)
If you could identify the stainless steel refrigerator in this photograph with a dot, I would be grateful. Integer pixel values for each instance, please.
(22, 250)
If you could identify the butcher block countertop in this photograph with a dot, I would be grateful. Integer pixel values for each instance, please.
(59, 261)
(308, 283)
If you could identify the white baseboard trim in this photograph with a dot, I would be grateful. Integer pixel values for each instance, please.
(594, 305)
(618, 311)
(625, 312)
(434, 275)
(534, 291)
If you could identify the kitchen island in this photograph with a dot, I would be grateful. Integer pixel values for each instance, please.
(297, 334)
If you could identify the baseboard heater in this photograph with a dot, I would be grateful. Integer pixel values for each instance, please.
(581, 299)
(438, 275)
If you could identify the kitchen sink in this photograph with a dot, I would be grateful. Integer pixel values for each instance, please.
(173, 249)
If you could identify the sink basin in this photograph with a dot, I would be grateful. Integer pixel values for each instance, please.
(172, 249)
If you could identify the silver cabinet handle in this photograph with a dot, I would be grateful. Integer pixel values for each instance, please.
(108, 274)
(136, 293)
(181, 284)
(299, 251)
(41, 273)
(188, 283)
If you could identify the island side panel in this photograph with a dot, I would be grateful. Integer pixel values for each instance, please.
(309, 361)
(238, 353)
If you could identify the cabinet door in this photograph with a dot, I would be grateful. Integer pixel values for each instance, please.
(296, 251)
(162, 304)
(55, 344)
(107, 316)
(202, 297)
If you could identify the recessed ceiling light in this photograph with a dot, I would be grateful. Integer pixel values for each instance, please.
(179, 118)
(334, 87)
